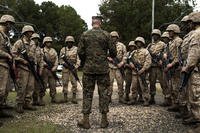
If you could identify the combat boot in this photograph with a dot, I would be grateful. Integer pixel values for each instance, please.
(41, 102)
(104, 121)
(131, 102)
(84, 123)
(173, 108)
(191, 121)
(65, 98)
(127, 97)
(152, 100)
(74, 100)
(183, 112)
(3, 114)
(29, 107)
(146, 103)
(19, 108)
(140, 99)
(167, 102)
(121, 99)
(53, 100)
(35, 101)
(6, 106)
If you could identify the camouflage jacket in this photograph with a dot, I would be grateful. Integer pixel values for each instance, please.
(71, 55)
(3, 51)
(121, 54)
(174, 48)
(185, 45)
(194, 49)
(93, 50)
(156, 50)
(142, 57)
(19, 45)
(38, 55)
(51, 56)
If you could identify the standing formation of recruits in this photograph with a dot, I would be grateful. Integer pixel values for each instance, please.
(169, 59)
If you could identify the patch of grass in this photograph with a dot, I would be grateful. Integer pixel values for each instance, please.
(32, 126)
(28, 123)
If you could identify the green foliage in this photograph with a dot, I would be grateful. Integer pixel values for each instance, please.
(132, 18)
(49, 19)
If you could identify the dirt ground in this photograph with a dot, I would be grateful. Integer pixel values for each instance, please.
(62, 118)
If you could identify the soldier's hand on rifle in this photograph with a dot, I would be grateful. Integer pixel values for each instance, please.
(25, 62)
(160, 62)
(53, 69)
(169, 66)
(141, 72)
(110, 59)
(132, 66)
(184, 69)
(120, 64)
(9, 56)
(40, 72)
(165, 56)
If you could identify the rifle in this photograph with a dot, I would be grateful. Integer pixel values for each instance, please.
(71, 67)
(138, 68)
(31, 67)
(156, 57)
(167, 61)
(49, 67)
(117, 61)
(10, 63)
(185, 78)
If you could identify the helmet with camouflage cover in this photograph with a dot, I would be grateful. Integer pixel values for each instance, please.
(47, 39)
(165, 34)
(35, 35)
(27, 28)
(194, 17)
(140, 39)
(185, 18)
(7, 18)
(69, 39)
(114, 34)
(131, 43)
(173, 27)
(156, 32)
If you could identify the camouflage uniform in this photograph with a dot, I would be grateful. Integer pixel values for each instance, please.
(174, 45)
(183, 98)
(92, 50)
(4, 68)
(48, 78)
(165, 37)
(143, 57)
(71, 54)
(156, 73)
(115, 72)
(25, 77)
(193, 60)
(38, 59)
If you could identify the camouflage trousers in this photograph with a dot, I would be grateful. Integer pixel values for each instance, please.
(4, 78)
(184, 95)
(194, 95)
(156, 73)
(139, 85)
(175, 81)
(25, 88)
(128, 79)
(38, 92)
(116, 74)
(103, 82)
(49, 81)
(66, 77)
